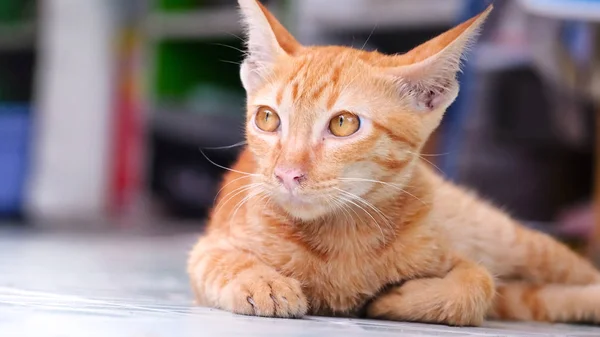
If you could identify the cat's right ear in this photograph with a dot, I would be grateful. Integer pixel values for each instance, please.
(267, 41)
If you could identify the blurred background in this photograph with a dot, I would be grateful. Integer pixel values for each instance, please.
(104, 105)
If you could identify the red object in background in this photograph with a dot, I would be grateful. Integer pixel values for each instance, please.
(126, 169)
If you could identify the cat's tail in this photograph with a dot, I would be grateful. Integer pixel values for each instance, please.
(557, 285)
(541, 259)
(547, 303)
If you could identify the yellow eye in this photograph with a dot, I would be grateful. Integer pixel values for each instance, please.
(344, 124)
(267, 119)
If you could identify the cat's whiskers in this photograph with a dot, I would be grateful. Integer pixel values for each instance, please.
(242, 143)
(349, 200)
(347, 215)
(397, 187)
(371, 206)
(369, 37)
(434, 154)
(426, 160)
(229, 183)
(229, 196)
(240, 203)
(231, 62)
(230, 47)
(251, 194)
(381, 215)
(338, 206)
(346, 206)
(227, 168)
(237, 37)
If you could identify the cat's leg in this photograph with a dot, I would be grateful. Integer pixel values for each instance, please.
(462, 298)
(230, 279)
(549, 303)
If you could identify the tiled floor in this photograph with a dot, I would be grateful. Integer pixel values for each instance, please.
(134, 286)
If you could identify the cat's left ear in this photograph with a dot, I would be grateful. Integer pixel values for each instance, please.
(267, 41)
(427, 74)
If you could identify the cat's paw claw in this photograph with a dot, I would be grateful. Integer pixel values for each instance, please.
(258, 296)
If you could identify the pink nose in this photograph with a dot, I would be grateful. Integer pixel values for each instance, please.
(289, 177)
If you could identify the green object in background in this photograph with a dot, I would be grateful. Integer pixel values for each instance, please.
(191, 5)
(12, 11)
(185, 66)
(178, 5)
(209, 99)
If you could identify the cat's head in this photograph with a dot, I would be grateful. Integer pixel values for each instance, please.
(329, 125)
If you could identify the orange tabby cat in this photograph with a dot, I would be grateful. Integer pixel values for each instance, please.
(330, 210)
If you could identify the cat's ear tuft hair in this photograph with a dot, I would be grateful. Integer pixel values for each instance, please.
(427, 74)
(267, 40)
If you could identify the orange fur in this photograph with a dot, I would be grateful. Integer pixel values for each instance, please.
(370, 228)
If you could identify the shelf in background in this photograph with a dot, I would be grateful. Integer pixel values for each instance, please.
(17, 36)
(585, 10)
(361, 14)
(205, 23)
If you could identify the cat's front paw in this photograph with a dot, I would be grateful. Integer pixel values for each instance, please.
(268, 295)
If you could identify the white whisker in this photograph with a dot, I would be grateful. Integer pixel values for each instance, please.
(239, 38)
(229, 183)
(230, 47)
(231, 62)
(227, 168)
(399, 188)
(233, 194)
(346, 207)
(369, 37)
(434, 154)
(371, 206)
(427, 161)
(367, 212)
(242, 143)
(339, 206)
(245, 200)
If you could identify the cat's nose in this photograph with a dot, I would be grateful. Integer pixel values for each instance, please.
(289, 177)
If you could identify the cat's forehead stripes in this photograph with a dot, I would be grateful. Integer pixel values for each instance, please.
(313, 78)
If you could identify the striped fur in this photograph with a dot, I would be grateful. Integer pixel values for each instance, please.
(372, 230)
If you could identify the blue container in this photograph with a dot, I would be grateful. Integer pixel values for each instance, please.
(15, 125)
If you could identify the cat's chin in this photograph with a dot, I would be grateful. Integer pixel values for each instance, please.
(307, 214)
(303, 208)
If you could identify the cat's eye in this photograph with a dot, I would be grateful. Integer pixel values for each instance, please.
(267, 119)
(344, 124)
